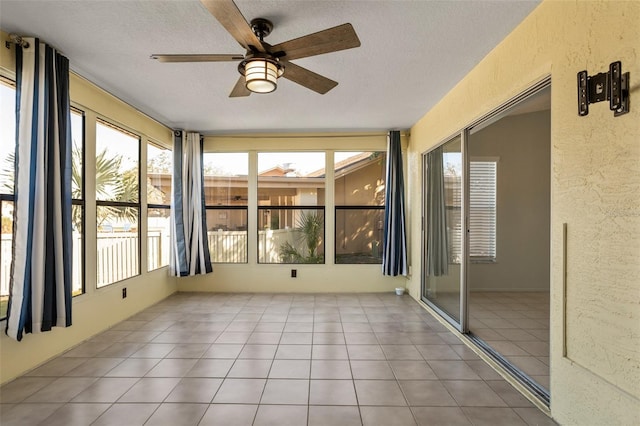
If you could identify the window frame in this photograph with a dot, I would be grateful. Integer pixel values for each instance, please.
(122, 204)
(292, 208)
(155, 206)
(245, 207)
(320, 207)
(347, 207)
(82, 202)
(7, 197)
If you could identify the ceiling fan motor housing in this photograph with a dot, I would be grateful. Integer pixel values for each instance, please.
(261, 27)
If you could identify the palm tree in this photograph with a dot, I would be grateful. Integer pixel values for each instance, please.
(111, 184)
(114, 185)
(310, 226)
(8, 174)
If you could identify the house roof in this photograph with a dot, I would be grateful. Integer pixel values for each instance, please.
(348, 165)
(412, 54)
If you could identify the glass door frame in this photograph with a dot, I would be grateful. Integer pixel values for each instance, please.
(462, 325)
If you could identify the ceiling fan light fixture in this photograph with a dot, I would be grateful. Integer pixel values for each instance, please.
(261, 74)
(263, 64)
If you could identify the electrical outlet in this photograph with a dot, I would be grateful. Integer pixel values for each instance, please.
(294, 273)
(124, 293)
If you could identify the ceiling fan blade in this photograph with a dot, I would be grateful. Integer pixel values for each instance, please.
(326, 41)
(239, 90)
(306, 78)
(228, 14)
(197, 58)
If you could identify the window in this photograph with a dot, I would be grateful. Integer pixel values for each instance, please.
(159, 171)
(291, 197)
(77, 201)
(226, 194)
(359, 199)
(7, 166)
(482, 210)
(117, 203)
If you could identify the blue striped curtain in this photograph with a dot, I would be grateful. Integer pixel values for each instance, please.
(394, 237)
(40, 295)
(189, 241)
(436, 221)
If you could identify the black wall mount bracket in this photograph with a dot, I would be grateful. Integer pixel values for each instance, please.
(612, 86)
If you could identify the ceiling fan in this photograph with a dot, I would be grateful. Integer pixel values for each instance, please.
(263, 63)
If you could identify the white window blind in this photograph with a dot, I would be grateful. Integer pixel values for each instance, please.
(482, 210)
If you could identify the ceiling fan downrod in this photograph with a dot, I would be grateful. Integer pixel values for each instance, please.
(261, 70)
(261, 27)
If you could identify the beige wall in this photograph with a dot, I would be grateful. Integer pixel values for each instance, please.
(364, 186)
(595, 187)
(595, 190)
(97, 309)
(522, 143)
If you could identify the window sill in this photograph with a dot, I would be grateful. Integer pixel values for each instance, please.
(480, 261)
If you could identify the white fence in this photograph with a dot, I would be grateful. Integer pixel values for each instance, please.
(269, 243)
(157, 249)
(5, 263)
(117, 255)
(228, 246)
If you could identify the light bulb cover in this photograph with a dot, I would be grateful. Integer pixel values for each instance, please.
(261, 73)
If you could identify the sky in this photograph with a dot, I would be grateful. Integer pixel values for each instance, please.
(118, 143)
(303, 162)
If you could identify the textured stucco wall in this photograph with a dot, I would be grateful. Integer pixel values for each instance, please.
(595, 190)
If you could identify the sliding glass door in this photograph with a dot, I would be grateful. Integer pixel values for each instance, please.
(486, 234)
(509, 238)
(443, 265)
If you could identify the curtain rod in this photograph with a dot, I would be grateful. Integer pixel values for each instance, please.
(16, 39)
(298, 136)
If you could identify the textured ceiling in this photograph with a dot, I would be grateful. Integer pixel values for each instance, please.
(412, 54)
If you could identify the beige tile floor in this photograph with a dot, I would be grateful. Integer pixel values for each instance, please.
(243, 359)
(515, 324)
